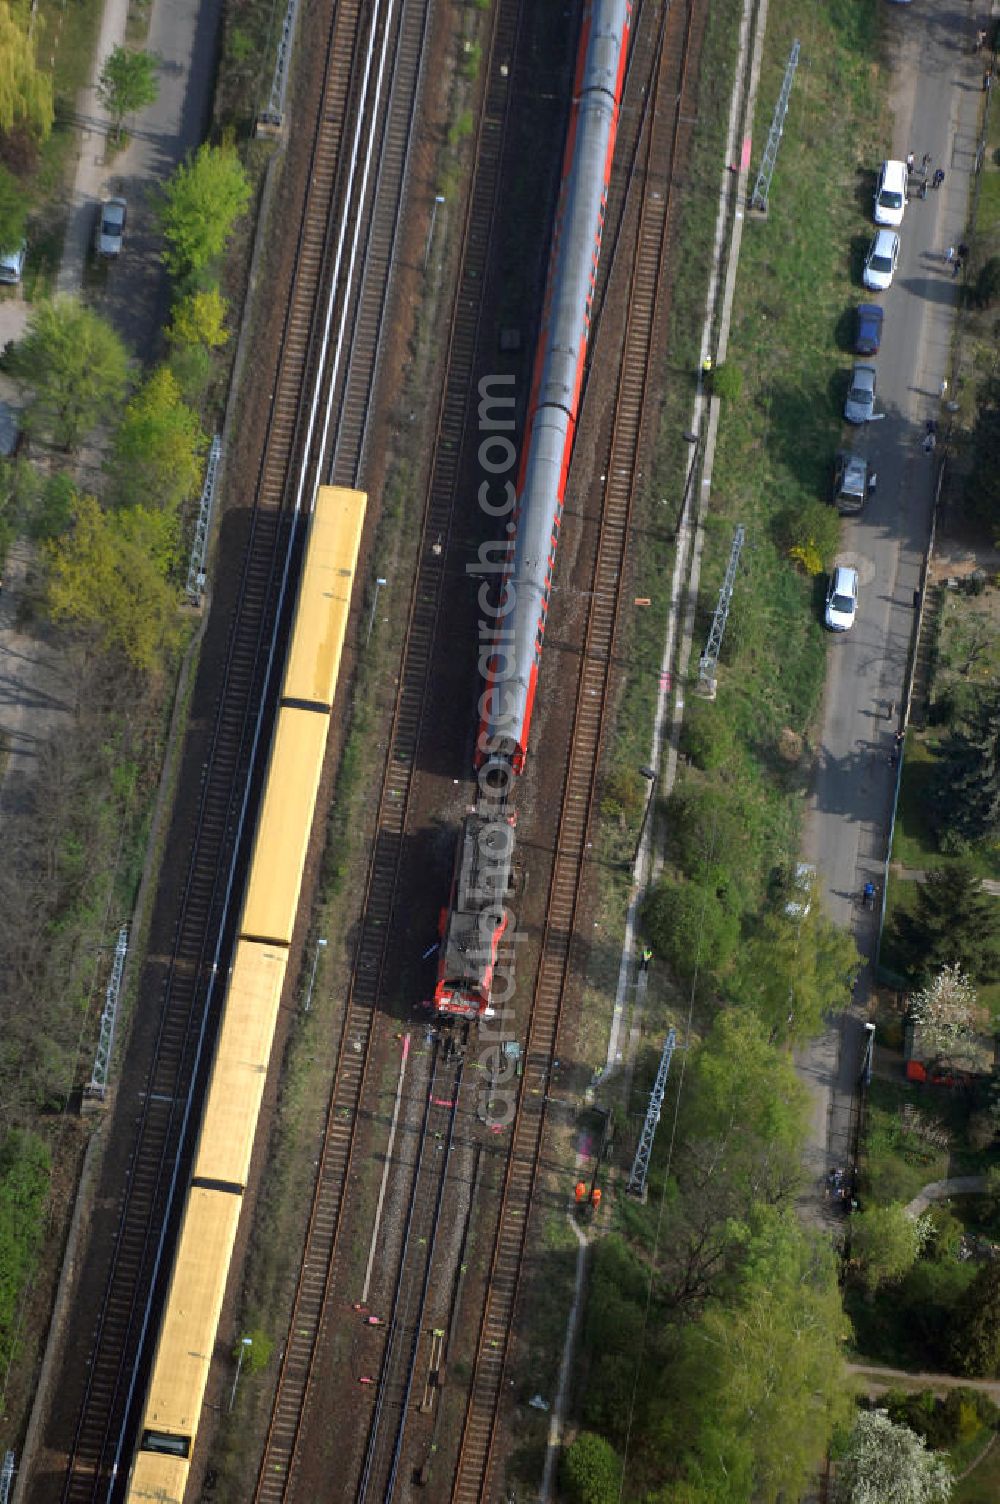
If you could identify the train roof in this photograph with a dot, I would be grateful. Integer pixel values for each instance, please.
(240, 1067)
(157, 1479)
(324, 601)
(483, 877)
(191, 1316)
(279, 850)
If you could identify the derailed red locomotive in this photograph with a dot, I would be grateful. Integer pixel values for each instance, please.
(473, 925)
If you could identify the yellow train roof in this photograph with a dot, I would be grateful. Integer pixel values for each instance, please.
(158, 1478)
(324, 601)
(191, 1317)
(286, 818)
(240, 1066)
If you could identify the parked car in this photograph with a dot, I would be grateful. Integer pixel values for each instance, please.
(800, 895)
(868, 329)
(842, 598)
(110, 232)
(860, 402)
(851, 481)
(12, 263)
(880, 263)
(890, 193)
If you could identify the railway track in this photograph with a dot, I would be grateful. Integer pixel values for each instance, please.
(97, 1464)
(437, 1137)
(666, 139)
(277, 1470)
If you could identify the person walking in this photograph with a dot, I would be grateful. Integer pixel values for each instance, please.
(959, 263)
(925, 162)
(938, 178)
(949, 254)
(987, 80)
(909, 161)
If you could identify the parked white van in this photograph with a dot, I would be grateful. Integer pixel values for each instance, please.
(890, 193)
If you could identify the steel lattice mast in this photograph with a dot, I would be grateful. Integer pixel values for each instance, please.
(762, 187)
(640, 1165)
(709, 661)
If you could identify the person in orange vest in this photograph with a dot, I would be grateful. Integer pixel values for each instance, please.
(581, 1190)
(596, 1197)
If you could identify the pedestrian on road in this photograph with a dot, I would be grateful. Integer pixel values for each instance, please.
(957, 267)
(987, 80)
(925, 162)
(949, 254)
(943, 389)
(909, 162)
(963, 251)
(647, 956)
(930, 443)
(938, 178)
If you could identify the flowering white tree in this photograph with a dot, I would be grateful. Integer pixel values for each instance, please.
(890, 1464)
(946, 1012)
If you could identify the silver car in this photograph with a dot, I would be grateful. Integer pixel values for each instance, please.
(110, 232)
(880, 263)
(860, 402)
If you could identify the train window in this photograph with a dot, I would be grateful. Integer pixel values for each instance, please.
(162, 1441)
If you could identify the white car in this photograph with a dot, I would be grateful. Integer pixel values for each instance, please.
(842, 598)
(891, 193)
(880, 263)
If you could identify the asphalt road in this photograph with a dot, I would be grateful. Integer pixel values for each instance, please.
(937, 97)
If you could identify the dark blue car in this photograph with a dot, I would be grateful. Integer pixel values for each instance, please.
(868, 334)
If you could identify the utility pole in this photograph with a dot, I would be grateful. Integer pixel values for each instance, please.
(320, 945)
(371, 620)
(709, 661)
(245, 1344)
(438, 201)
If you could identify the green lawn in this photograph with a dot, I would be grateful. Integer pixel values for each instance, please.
(982, 1486)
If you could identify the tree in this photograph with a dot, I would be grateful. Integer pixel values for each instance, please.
(25, 90)
(13, 211)
(974, 1336)
(590, 1471)
(199, 319)
(109, 576)
(953, 923)
(159, 448)
(982, 492)
(886, 1241)
(887, 1464)
(967, 786)
(76, 367)
(946, 1011)
(200, 205)
(127, 84)
(793, 969)
(757, 1386)
(691, 928)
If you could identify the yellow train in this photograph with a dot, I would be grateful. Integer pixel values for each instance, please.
(222, 1159)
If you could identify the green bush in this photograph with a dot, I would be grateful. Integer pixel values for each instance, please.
(707, 737)
(625, 794)
(590, 1471)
